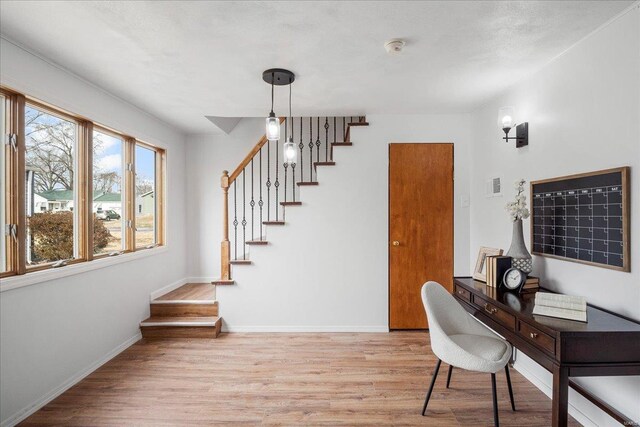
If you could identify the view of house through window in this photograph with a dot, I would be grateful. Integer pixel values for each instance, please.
(3, 193)
(145, 201)
(50, 187)
(108, 186)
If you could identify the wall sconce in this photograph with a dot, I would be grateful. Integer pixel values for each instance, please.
(507, 120)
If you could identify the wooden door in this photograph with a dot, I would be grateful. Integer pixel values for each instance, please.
(420, 227)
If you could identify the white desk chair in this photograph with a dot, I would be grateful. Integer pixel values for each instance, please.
(462, 342)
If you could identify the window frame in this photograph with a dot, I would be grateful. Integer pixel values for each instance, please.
(14, 181)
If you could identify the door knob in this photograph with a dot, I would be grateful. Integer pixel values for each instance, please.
(395, 243)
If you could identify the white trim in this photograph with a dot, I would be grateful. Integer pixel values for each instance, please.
(542, 385)
(261, 328)
(185, 323)
(184, 301)
(35, 277)
(73, 380)
(165, 290)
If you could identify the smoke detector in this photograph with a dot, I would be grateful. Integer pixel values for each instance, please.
(394, 46)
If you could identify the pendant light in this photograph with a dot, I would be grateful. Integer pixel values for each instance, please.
(273, 124)
(275, 77)
(290, 152)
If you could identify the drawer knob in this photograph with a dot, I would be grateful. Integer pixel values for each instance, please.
(533, 335)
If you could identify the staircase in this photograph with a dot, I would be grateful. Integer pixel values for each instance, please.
(190, 311)
(256, 196)
(260, 195)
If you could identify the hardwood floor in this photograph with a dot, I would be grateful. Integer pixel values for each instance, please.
(290, 379)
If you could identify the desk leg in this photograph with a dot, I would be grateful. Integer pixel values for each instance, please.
(560, 400)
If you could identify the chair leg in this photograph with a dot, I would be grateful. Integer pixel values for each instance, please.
(495, 401)
(433, 381)
(506, 371)
(449, 375)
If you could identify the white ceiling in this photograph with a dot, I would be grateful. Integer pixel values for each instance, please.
(182, 61)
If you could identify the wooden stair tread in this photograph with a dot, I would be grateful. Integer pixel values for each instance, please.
(184, 301)
(341, 144)
(256, 242)
(191, 291)
(324, 164)
(358, 124)
(180, 321)
(290, 203)
(307, 183)
(273, 222)
(240, 261)
(223, 282)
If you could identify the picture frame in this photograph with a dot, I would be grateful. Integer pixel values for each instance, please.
(480, 270)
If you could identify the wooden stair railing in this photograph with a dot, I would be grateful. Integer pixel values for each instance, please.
(312, 153)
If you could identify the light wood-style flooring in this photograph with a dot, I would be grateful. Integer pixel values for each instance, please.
(288, 379)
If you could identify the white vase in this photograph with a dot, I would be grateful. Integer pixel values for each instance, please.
(520, 256)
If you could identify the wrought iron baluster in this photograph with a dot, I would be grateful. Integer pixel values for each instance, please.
(244, 216)
(285, 165)
(268, 180)
(318, 143)
(276, 183)
(344, 128)
(310, 148)
(260, 202)
(235, 221)
(326, 139)
(301, 145)
(252, 203)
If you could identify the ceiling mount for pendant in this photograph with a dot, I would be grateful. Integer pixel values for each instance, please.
(278, 76)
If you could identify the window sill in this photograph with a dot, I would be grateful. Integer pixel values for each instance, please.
(35, 277)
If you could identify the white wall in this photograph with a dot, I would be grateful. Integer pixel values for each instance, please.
(333, 250)
(583, 111)
(54, 332)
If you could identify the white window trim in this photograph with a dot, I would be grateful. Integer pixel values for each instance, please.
(15, 282)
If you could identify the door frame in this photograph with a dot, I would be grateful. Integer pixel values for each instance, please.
(453, 227)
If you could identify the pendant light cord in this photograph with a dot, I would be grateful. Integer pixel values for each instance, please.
(273, 77)
(290, 116)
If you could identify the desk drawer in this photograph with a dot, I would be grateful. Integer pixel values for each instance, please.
(505, 319)
(462, 293)
(537, 337)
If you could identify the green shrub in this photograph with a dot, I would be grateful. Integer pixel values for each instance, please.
(52, 236)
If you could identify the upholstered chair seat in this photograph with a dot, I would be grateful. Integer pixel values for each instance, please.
(461, 341)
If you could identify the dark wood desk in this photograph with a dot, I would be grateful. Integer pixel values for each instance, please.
(608, 345)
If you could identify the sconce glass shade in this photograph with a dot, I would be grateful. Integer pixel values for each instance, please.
(290, 153)
(273, 127)
(506, 118)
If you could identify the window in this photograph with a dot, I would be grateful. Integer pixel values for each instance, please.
(3, 193)
(145, 196)
(108, 189)
(73, 190)
(50, 184)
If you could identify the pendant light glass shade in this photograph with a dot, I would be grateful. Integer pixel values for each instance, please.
(290, 153)
(273, 127)
(506, 118)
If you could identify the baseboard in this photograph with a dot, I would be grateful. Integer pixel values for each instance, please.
(170, 287)
(262, 328)
(543, 386)
(35, 406)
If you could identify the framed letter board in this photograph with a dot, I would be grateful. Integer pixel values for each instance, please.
(583, 218)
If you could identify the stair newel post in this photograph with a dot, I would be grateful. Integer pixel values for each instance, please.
(334, 134)
(293, 168)
(252, 203)
(260, 201)
(225, 246)
(285, 164)
(276, 184)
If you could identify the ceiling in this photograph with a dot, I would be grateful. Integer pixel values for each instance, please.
(184, 60)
